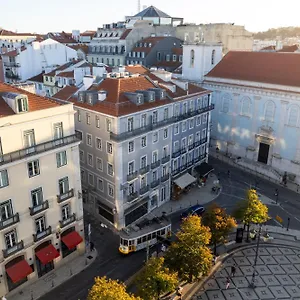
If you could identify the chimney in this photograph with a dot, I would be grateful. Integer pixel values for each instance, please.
(102, 95)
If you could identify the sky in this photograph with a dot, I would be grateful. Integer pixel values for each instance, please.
(56, 15)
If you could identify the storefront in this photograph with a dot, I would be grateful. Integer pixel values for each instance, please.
(182, 185)
(70, 239)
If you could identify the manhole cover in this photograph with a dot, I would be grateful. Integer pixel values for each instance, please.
(90, 257)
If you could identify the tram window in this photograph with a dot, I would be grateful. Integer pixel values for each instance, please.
(131, 242)
(149, 237)
(139, 240)
(121, 241)
(144, 239)
(125, 242)
(163, 231)
(153, 235)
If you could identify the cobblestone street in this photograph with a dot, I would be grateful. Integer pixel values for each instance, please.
(278, 276)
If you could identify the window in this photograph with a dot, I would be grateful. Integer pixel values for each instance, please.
(154, 175)
(108, 125)
(99, 163)
(131, 167)
(184, 108)
(226, 103)
(37, 196)
(78, 134)
(131, 146)
(174, 57)
(110, 169)
(22, 105)
(166, 133)
(78, 116)
(109, 148)
(180, 58)
(81, 155)
(191, 105)
(82, 174)
(199, 103)
(184, 126)
(61, 159)
(97, 121)
(66, 212)
(143, 162)
(88, 119)
(164, 170)
(6, 210)
(88, 139)
(33, 168)
(166, 114)
(63, 185)
(176, 113)
(144, 141)
(213, 53)
(158, 56)
(90, 160)
(99, 143)
(143, 182)
(204, 119)
(143, 120)
(204, 133)
(10, 239)
(111, 190)
(154, 156)
(155, 137)
(154, 117)
(29, 140)
(165, 151)
(168, 57)
(91, 179)
(3, 178)
(163, 193)
(176, 146)
(40, 224)
(100, 184)
(293, 115)
(192, 58)
(191, 140)
(191, 125)
(198, 121)
(270, 111)
(246, 107)
(183, 143)
(130, 124)
(58, 131)
(176, 128)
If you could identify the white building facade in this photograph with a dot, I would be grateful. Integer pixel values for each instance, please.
(41, 225)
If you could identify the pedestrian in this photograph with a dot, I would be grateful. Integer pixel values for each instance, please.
(92, 246)
(215, 259)
(233, 269)
(179, 292)
(227, 283)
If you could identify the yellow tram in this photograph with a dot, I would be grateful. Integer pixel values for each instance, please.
(144, 234)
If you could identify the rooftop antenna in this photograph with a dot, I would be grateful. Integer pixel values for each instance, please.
(139, 6)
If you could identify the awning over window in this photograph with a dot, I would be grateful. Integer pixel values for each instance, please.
(72, 239)
(19, 271)
(47, 254)
(185, 180)
(204, 169)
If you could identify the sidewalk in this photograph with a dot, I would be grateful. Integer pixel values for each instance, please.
(54, 278)
(197, 195)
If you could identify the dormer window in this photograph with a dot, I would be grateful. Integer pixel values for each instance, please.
(139, 99)
(150, 45)
(22, 105)
(145, 45)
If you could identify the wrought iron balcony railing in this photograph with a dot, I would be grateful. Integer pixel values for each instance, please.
(65, 196)
(9, 221)
(12, 250)
(39, 208)
(38, 236)
(66, 222)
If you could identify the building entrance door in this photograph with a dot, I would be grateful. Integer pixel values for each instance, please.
(263, 153)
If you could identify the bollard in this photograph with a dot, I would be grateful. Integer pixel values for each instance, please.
(288, 224)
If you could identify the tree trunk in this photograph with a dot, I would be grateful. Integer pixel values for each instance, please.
(248, 232)
(215, 248)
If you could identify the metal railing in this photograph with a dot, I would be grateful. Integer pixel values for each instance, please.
(155, 183)
(132, 176)
(36, 149)
(11, 64)
(119, 137)
(165, 159)
(144, 170)
(9, 221)
(131, 197)
(155, 164)
(65, 196)
(39, 208)
(176, 154)
(38, 236)
(144, 190)
(64, 223)
(12, 76)
(10, 251)
(165, 178)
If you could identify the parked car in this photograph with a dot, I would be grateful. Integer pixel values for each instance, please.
(196, 210)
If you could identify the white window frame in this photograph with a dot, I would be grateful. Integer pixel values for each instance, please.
(131, 149)
(81, 156)
(293, 109)
(108, 124)
(176, 128)
(110, 186)
(66, 211)
(98, 159)
(12, 237)
(165, 136)
(3, 177)
(78, 116)
(109, 147)
(33, 168)
(191, 123)
(97, 121)
(144, 141)
(88, 119)
(98, 184)
(157, 137)
(61, 159)
(198, 121)
(113, 171)
(65, 187)
(91, 179)
(101, 145)
(133, 169)
(40, 224)
(204, 118)
(185, 127)
(90, 159)
(37, 196)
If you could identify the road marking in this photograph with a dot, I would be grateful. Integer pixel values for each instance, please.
(279, 224)
(233, 196)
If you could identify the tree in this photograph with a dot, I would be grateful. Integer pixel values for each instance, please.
(190, 256)
(220, 224)
(251, 210)
(156, 279)
(108, 289)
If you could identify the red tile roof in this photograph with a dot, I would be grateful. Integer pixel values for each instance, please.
(292, 48)
(264, 67)
(152, 40)
(82, 47)
(66, 93)
(125, 34)
(177, 51)
(4, 32)
(14, 53)
(167, 64)
(68, 74)
(90, 33)
(268, 48)
(62, 37)
(35, 102)
(37, 78)
(136, 69)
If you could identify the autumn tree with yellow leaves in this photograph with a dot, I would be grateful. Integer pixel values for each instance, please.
(190, 255)
(108, 289)
(251, 210)
(156, 279)
(220, 224)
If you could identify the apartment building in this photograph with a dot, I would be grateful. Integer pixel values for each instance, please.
(41, 220)
(131, 129)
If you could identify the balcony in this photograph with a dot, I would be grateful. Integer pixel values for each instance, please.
(9, 221)
(144, 189)
(175, 172)
(132, 176)
(12, 75)
(64, 223)
(165, 159)
(39, 208)
(155, 164)
(133, 196)
(183, 167)
(39, 236)
(11, 64)
(189, 164)
(165, 177)
(196, 144)
(155, 183)
(191, 147)
(40, 148)
(119, 137)
(65, 196)
(144, 170)
(10, 251)
(183, 150)
(176, 154)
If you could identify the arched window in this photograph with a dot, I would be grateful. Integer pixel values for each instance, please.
(192, 58)
(270, 111)
(213, 53)
(226, 103)
(293, 115)
(246, 106)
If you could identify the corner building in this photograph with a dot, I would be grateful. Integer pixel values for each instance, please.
(41, 215)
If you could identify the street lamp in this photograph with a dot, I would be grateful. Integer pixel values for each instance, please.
(252, 284)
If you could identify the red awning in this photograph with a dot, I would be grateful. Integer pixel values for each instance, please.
(72, 239)
(19, 271)
(47, 254)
